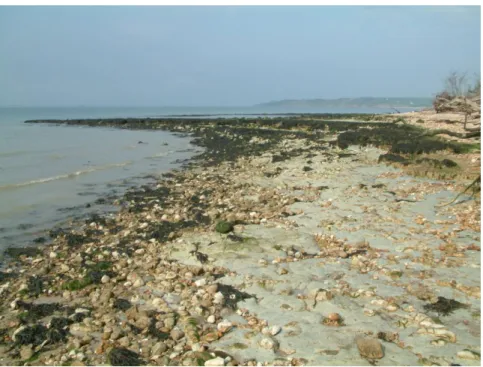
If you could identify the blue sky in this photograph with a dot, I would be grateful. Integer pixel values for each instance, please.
(230, 56)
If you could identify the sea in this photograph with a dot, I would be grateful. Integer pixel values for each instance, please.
(52, 174)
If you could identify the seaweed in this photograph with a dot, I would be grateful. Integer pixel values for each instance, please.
(124, 357)
(232, 295)
(17, 252)
(35, 285)
(56, 232)
(444, 306)
(76, 240)
(5, 276)
(38, 334)
(122, 304)
(36, 311)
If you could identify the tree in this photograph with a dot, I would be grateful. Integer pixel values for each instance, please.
(456, 84)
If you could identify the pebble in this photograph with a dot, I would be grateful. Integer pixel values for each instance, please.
(273, 330)
(53, 255)
(13, 304)
(268, 343)
(176, 334)
(224, 326)
(171, 275)
(158, 349)
(124, 341)
(212, 289)
(218, 298)
(105, 279)
(369, 348)
(64, 268)
(211, 319)
(218, 361)
(26, 352)
(200, 282)
(138, 283)
(468, 354)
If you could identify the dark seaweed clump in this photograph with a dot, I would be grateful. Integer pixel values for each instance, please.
(444, 306)
(16, 252)
(35, 285)
(124, 357)
(33, 312)
(232, 295)
(401, 140)
(122, 304)
(38, 334)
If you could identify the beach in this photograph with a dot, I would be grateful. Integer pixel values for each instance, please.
(287, 241)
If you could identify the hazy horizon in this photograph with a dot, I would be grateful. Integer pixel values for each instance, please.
(201, 106)
(230, 56)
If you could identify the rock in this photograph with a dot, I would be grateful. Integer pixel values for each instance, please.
(334, 317)
(282, 271)
(138, 283)
(105, 296)
(218, 361)
(275, 329)
(105, 279)
(26, 352)
(176, 334)
(224, 326)
(369, 348)
(116, 333)
(342, 254)
(124, 341)
(211, 319)
(13, 304)
(468, 354)
(212, 288)
(224, 227)
(200, 282)
(76, 362)
(218, 298)
(268, 343)
(158, 349)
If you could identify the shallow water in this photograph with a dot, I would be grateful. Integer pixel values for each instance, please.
(48, 173)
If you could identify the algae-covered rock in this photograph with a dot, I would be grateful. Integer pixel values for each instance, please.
(224, 227)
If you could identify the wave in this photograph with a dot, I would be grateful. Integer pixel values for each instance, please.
(162, 154)
(62, 177)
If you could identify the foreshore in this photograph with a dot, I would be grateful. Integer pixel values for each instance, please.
(288, 241)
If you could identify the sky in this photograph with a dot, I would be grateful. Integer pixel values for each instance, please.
(230, 56)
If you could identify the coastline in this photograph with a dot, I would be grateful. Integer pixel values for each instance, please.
(152, 279)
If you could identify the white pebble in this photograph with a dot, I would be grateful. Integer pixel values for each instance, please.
(218, 361)
(224, 326)
(105, 279)
(200, 282)
(218, 298)
(211, 319)
(275, 329)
